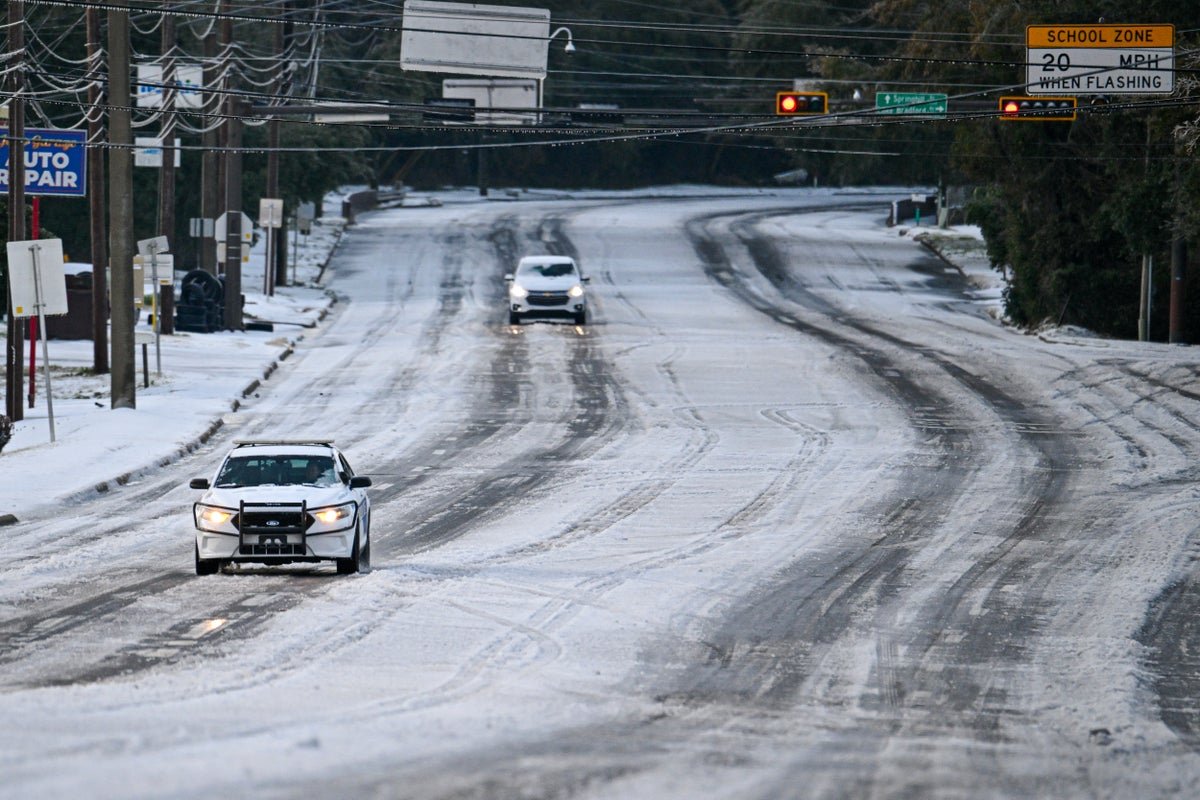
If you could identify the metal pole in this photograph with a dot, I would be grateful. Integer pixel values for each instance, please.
(155, 307)
(40, 306)
(269, 264)
(1144, 305)
(295, 248)
(1150, 292)
(34, 321)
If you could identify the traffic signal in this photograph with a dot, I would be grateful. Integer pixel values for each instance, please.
(789, 104)
(1038, 109)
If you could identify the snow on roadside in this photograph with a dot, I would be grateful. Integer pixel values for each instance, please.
(203, 377)
(962, 247)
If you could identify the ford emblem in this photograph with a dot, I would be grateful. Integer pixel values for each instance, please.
(272, 523)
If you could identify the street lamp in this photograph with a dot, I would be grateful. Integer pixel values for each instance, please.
(570, 48)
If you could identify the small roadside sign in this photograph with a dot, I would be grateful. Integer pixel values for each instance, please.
(200, 227)
(37, 285)
(156, 244)
(222, 249)
(37, 280)
(247, 228)
(270, 212)
(163, 261)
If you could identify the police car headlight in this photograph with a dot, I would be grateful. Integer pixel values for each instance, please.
(332, 518)
(215, 518)
(518, 291)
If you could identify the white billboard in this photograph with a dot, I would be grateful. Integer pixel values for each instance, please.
(148, 151)
(475, 39)
(189, 78)
(505, 93)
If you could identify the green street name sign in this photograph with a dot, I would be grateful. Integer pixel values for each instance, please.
(911, 103)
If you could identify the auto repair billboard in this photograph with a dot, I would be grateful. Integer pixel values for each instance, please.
(55, 162)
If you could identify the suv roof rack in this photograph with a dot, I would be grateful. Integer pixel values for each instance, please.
(266, 442)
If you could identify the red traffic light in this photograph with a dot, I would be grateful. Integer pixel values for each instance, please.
(1038, 109)
(792, 103)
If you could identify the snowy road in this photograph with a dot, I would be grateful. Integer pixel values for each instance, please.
(792, 517)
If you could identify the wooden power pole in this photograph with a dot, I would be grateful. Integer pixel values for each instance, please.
(14, 368)
(95, 190)
(120, 225)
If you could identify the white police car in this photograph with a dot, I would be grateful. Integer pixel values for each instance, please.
(283, 501)
(546, 286)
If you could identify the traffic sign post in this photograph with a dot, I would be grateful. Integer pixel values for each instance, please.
(37, 286)
(1100, 59)
(156, 248)
(925, 104)
(270, 217)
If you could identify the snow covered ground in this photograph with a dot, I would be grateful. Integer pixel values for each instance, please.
(793, 516)
(203, 377)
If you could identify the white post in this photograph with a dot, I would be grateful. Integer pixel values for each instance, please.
(39, 305)
(295, 246)
(154, 306)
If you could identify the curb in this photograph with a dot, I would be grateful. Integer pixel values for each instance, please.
(187, 449)
(923, 240)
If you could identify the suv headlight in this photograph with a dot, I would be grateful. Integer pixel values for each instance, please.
(332, 518)
(575, 291)
(215, 519)
(518, 291)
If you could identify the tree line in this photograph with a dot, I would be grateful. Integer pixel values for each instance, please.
(1068, 210)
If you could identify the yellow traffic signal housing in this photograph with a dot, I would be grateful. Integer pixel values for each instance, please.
(1038, 109)
(790, 104)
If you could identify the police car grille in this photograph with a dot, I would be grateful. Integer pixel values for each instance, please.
(273, 550)
(280, 521)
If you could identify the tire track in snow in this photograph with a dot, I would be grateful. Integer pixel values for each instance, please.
(765, 651)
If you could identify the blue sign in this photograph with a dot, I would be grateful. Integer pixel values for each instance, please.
(55, 162)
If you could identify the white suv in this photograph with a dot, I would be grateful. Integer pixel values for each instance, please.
(546, 286)
(280, 501)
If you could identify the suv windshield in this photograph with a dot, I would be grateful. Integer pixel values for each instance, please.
(549, 270)
(277, 471)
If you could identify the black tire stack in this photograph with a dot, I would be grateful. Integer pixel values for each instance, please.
(201, 307)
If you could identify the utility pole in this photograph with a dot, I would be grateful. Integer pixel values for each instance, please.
(209, 166)
(233, 220)
(1179, 256)
(271, 269)
(95, 190)
(285, 86)
(120, 227)
(166, 175)
(234, 108)
(15, 370)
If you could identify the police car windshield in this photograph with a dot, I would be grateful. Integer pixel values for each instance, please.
(277, 471)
